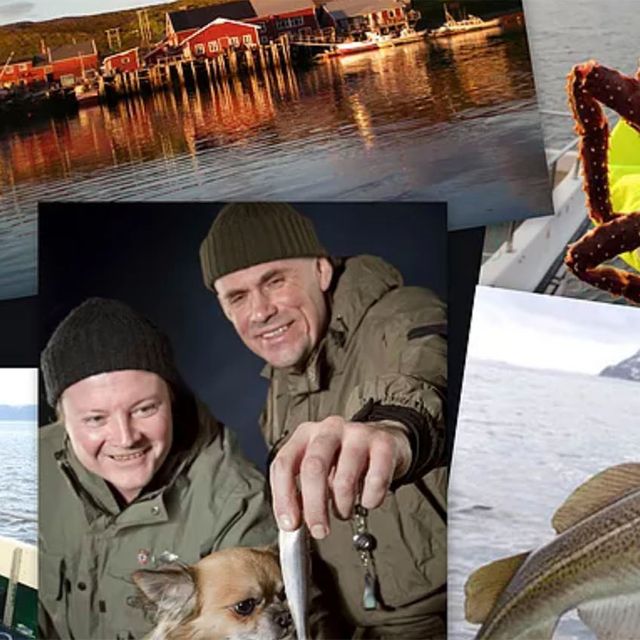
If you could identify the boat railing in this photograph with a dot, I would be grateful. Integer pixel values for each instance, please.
(557, 155)
(503, 234)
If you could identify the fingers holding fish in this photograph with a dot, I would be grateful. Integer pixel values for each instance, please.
(335, 460)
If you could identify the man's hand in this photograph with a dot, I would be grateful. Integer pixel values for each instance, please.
(332, 460)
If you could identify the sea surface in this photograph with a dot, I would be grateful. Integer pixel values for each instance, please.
(18, 481)
(562, 34)
(454, 119)
(525, 439)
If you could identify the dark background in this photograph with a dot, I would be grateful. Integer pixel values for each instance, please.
(146, 254)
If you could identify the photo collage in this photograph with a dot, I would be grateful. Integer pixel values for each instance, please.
(320, 320)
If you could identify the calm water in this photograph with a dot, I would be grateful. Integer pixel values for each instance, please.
(18, 490)
(455, 121)
(565, 33)
(525, 439)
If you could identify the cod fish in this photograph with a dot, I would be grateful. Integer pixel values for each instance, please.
(294, 562)
(592, 565)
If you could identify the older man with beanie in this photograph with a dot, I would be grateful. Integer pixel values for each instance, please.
(354, 414)
(134, 474)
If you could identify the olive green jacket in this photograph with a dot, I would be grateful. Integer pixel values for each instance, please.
(205, 497)
(383, 357)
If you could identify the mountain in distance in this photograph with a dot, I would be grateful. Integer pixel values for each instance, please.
(628, 369)
(12, 413)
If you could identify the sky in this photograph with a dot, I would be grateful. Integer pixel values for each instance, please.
(18, 387)
(551, 332)
(36, 10)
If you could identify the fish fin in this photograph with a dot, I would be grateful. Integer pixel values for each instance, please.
(597, 492)
(613, 618)
(484, 586)
(541, 631)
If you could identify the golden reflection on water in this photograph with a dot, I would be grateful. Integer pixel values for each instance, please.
(363, 99)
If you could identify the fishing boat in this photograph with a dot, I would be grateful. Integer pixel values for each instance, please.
(86, 95)
(528, 255)
(452, 27)
(375, 41)
(18, 589)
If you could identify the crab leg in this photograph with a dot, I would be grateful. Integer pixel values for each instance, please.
(593, 129)
(606, 241)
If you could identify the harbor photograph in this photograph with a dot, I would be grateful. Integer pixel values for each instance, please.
(269, 99)
(19, 508)
(545, 450)
(534, 255)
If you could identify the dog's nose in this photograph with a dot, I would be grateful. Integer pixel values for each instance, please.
(284, 619)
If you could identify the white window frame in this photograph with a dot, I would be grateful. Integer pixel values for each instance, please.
(234, 41)
(247, 39)
(126, 60)
(213, 46)
(198, 49)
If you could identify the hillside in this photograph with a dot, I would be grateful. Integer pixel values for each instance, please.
(12, 413)
(628, 369)
(25, 38)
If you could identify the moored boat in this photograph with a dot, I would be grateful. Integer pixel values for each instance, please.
(468, 24)
(19, 583)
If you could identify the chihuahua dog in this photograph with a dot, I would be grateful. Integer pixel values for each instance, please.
(233, 594)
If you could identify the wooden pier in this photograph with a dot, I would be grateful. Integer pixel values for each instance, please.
(180, 72)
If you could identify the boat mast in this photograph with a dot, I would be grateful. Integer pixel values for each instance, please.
(6, 64)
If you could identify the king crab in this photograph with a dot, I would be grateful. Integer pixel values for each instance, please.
(588, 85)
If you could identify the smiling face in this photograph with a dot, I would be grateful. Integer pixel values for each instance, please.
(120, 426)
(278, 308)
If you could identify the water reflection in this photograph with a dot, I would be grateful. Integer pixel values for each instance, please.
(367, 127)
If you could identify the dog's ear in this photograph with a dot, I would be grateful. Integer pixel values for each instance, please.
(171, 589)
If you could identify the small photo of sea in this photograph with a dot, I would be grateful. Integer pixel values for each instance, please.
(18, 480)
(551, 397)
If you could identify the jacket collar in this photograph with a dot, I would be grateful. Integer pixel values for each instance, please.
(360, 282)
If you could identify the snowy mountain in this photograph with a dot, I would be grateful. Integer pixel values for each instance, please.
(628, 369)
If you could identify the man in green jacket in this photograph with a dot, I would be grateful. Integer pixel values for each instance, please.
(354, 414)
(134, 474)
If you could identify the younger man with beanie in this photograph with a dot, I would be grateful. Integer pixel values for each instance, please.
(354, 414)
(135, 473)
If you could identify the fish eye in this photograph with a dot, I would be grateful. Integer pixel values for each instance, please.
(245, 607)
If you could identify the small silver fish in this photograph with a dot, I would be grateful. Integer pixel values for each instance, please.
(294, 561)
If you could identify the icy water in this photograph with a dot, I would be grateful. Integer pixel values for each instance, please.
(451, 120)
(525, 439)
(18, 487)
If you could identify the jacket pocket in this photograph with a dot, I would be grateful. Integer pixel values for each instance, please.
(411, 559)
(53, 603)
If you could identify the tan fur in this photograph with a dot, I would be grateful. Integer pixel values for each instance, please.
(197, 602)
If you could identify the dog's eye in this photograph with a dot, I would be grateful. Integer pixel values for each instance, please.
(245, 607)
(282, 596)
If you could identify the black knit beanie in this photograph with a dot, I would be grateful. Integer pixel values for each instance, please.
(104, 335)
(244, 234)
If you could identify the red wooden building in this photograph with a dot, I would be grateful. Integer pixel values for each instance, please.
(25, 71)
(75, 60)
(295, 18)
(182, 24)
(356, 17)
(219, 35)
(123, 61)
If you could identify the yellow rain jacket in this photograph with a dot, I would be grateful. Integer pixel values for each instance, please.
(624, 177)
